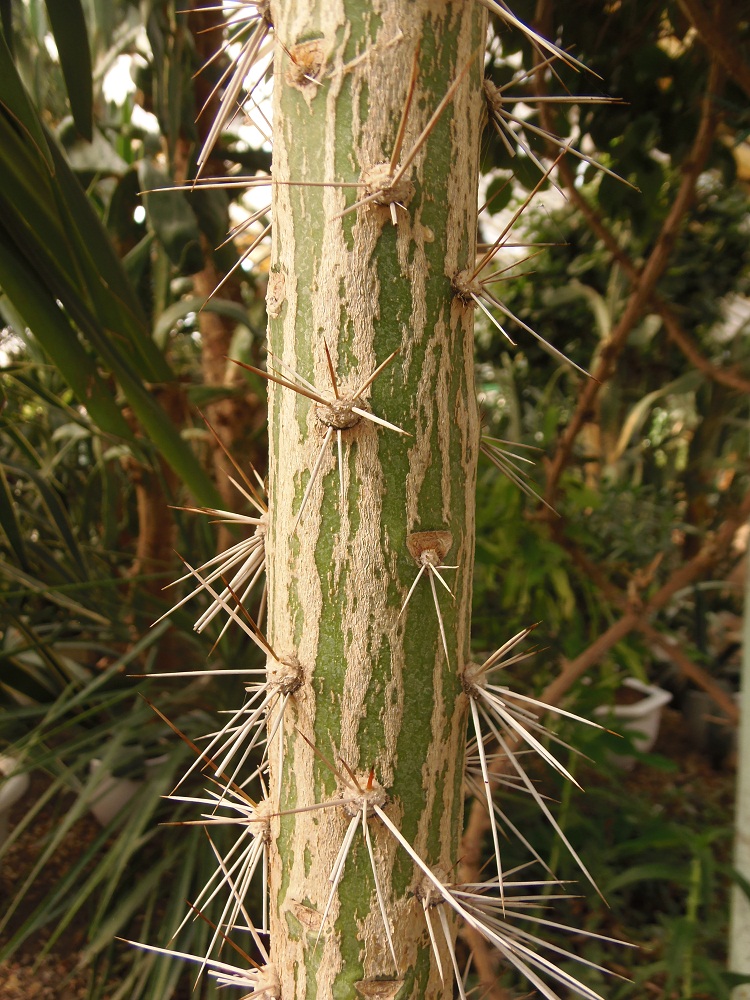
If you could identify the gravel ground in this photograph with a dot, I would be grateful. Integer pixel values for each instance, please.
(23, 982)
(55, 977)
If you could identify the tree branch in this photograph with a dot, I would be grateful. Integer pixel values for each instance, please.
(675, 332)
(680, 338)
(690, 669)
(668, 645)
(714, 548)
(718, 41)
(644, 288)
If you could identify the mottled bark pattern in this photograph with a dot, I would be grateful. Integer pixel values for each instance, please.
(377, 691)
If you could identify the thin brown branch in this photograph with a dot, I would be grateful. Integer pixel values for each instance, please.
(573, 670)
(485, 962)
(718, 39)
(667, 644)
(644, 288)
(679, 337)
(714, 549)
(691, 669)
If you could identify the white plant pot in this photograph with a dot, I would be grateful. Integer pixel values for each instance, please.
(642, 718)
(11, 790)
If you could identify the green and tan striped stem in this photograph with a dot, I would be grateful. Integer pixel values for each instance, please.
(379, 699)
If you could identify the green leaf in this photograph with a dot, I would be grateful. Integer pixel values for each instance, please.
(72, 40)
(649, 178)
(635, 419)
(58, 515)
(137, 259)
(51, 593)
(116, 306)
(736, 978)
(89, 158)
(6, 22)
(131, 825)
(171, 218)
(119, 214)
(16, 677)
(526, 173)
(53, 223)
(499, 193)
(194, 304)
(211, 207)
(25, 376)
(16, 102)
(37, 662)
(742, 882)
(130, 901)
(57, 248)
(41, 313)
(647, 873)
(202, 396)
(9, 521)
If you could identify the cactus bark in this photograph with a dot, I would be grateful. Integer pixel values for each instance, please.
(374, 692)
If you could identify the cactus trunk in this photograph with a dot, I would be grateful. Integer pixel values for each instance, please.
(371, 689)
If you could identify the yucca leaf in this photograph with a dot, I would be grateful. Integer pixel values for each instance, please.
(136, 826)
(76, 701)
(13, 434)
(9, 521)
(17, 678)
(48, 591)
(53, 234)
(171, 218)
(103, 277)
(194, 304)
(57, 513)
(6, 22)
(194, 871)
(54, 332)
(130, 900)
(15, 100)
(72, 40)
(29, 212)
(129, 825)
(52, 904)
(25, 375)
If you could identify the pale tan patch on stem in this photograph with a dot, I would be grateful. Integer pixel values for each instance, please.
(379, 989)
(275, 294)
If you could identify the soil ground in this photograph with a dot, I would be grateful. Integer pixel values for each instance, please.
(55, 977)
